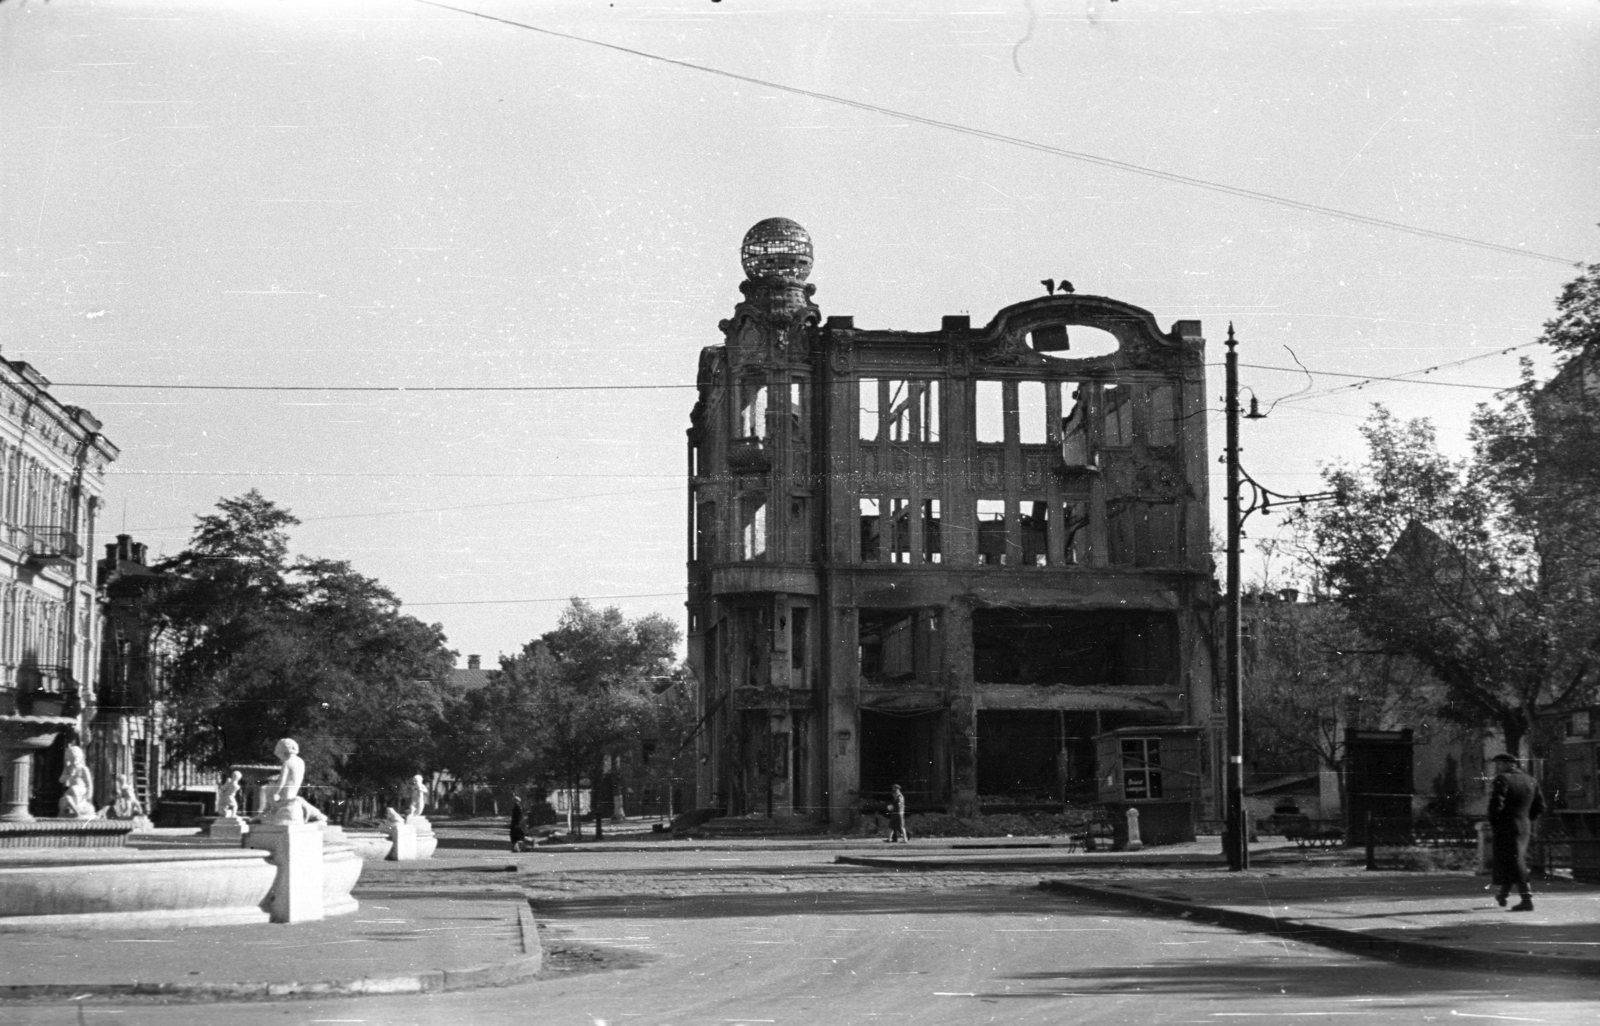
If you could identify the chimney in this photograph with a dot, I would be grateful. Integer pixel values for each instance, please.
(474, 663)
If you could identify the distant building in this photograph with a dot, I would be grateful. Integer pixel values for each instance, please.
(53, 459)
(948, 559)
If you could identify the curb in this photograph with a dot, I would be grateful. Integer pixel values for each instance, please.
(500, 974)
(1029, 863)
(1392, 949)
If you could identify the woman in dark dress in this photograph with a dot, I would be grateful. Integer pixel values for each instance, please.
(517, 835)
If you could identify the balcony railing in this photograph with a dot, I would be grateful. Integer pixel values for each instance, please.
(748, 455)
(50, 545)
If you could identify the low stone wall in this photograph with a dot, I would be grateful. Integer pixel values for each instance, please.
(86, 889)
(66, 833)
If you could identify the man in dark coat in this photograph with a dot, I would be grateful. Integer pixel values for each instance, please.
(518, 836)
(1514, 803)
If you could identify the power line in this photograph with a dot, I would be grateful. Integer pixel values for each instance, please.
(368, 388)
(530, 601)
(1010, 140)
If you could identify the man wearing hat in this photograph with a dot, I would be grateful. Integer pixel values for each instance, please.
(1514, 803)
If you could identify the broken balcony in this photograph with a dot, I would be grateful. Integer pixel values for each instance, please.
(49, 546)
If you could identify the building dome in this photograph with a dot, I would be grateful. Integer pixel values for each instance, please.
(776, 249)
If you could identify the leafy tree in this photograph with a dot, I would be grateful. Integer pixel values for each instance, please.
(1310, 673)
(263, 648)
(580, 693)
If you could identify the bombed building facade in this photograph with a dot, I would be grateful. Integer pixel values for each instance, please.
(974, 561)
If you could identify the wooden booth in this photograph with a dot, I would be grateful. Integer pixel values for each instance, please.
(1155, 770)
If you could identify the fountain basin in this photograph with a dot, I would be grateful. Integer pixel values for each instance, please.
(121, 888)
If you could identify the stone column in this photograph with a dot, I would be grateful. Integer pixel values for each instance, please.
(19, 784)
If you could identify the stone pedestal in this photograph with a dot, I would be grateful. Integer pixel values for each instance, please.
(297, 852)
(20, 737)
(404, 842)
(228, 828)
(1135, 842)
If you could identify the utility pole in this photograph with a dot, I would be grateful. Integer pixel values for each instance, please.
(1236, 839)
(1235, 842)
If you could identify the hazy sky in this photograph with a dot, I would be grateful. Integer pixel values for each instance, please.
(331, 193)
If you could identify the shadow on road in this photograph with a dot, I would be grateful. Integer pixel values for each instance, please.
(980, 900)
(1294, 975)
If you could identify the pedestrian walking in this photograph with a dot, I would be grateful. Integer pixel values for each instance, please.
(897, 815)
(1514, 803)
(518, 836)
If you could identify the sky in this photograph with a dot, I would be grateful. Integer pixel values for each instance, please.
(284, 201)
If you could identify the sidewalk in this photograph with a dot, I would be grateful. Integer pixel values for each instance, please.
(399, 941)
(1437, 919)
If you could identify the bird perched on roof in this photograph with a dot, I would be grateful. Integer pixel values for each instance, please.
(1049, 286)
(1065, 287)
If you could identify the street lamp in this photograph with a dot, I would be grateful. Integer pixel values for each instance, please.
(1236, 836)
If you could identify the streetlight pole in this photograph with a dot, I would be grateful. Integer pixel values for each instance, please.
(1235, 843)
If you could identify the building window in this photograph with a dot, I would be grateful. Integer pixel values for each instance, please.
(753, 529)
(900, 519)
(931, 542)
(705, 531)
(799, 623)
(989, 418)
(869, 530)
(1035, 535)
(1141, 768)
(1117, 405)
(928, 411)
(1032, 422)
(1075, 448)
(870, 421)
(753, 413)
(991, 532)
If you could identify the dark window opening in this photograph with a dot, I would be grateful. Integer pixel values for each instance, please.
(1036, 756)
(869, 530)
(931, 551)
(899, 645)
(1142, 534)
(1035, 534)
(1117, 408)
(900, 540)
(908, 749)
(1079, 649)
(991, 532)
(799, 622)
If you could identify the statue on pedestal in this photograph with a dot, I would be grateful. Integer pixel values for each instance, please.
(286, 805)
(417, 797)
(77, 802)
(228, 796)
(127, 804)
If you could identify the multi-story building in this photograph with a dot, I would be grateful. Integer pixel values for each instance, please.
(53, 459)
(949, 559)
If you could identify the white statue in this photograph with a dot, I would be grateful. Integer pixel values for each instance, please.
(228, 796)
(287, 806)
(77, 802)
(127, 805)
(417, 795)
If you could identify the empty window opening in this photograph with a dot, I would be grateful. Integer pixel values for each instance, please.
(799, 624)
(869, 530)
(1080, 343)
(1142, 534)
(705, 531)
(991, 532)
(1161, 415)
(1032, 423)
(869, 409)
(1073, 648)
(1075, 448)
(1035, 534)
(989, 412)
(900, 518)
(899, 645)
(797, 418)
(931, 542)
(753, 414)
(902, 410)
(1074, 518)
(1036, 756)
(928, 407)
(753, 533)
(908, 749)
(1117, 404)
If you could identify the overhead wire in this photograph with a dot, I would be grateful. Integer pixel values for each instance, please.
(1028, 144)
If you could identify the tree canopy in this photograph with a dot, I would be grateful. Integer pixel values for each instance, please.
(264, 647)
(1486, 569)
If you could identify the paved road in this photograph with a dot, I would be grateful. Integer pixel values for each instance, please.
(992, 953)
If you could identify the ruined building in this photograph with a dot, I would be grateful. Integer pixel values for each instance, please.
(950, 559)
